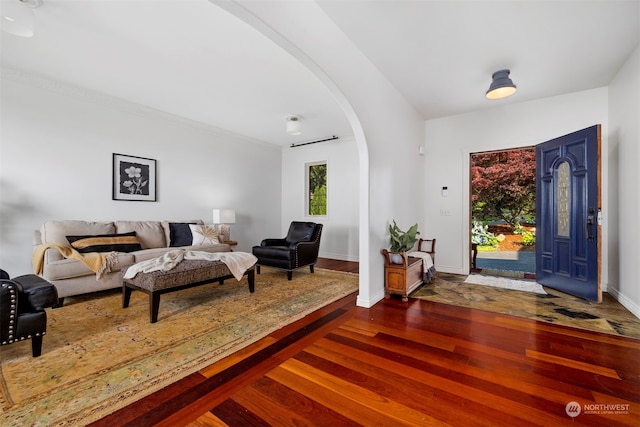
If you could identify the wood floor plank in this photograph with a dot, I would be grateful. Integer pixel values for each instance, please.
(533, 326)
(456, 380)
(407, 363)
(445, 380)
(600, 370)
(347, 398)
(487, 367)
(407, 391)
(284, 406)
(228, 362)
(208, 420)
(234, 414)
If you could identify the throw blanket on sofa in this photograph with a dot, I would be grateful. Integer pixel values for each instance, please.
(238, 262)
(99, 262)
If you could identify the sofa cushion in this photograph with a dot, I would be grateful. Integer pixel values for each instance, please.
(68, 268)
(126, 242)
(203, 234)
(150, 233)
(57, 231)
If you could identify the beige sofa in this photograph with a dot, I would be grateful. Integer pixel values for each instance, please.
(72, 277)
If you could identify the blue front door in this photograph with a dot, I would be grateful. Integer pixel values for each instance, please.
(567, 213)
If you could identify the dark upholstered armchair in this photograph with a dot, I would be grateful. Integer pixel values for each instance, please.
(22, 303)
(298, 249)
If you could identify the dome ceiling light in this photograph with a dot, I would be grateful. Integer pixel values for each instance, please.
(501, 86)
(294, 127)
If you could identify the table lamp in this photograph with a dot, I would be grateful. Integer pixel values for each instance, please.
(222, 218)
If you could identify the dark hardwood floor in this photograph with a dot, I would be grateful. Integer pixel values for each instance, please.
(414, 363)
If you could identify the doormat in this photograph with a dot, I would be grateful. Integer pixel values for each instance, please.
(506, 283)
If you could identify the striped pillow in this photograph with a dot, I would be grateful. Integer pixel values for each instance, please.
(126, 242)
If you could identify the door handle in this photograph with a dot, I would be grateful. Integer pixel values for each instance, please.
(590, 222)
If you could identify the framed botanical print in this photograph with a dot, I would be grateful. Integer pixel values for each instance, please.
(134, 178)
(316, 189)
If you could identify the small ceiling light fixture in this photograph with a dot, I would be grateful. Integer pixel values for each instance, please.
(501, 86)
(16, 16)
(293, 125)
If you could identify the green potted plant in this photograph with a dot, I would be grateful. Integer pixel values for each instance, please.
(401, 241)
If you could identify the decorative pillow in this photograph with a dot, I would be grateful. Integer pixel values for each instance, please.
(126, 242)
(203, 235)
(180, 234)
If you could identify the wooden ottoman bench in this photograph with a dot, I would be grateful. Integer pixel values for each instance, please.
(186, 274)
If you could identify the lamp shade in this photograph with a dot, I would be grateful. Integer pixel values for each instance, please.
(224, 216)
(501, 85)
(16, 18)
(294, 127)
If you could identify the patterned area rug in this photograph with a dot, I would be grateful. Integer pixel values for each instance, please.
(506, 283)
(98, 357)
(554, 307)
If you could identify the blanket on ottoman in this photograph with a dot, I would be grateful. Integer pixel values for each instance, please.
(237, 262)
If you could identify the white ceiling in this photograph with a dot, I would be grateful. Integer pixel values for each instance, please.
(441, 54)
(191, 59)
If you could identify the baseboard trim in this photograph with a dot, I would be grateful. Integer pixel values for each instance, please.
(368, 303)
(451, 270)
(624, 301)
(341, 257)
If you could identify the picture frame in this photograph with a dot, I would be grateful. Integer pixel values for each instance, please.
(134, 178)
(316, 188)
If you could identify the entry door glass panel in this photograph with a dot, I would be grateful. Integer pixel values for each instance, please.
(564, 199)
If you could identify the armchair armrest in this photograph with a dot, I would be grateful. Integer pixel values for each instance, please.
(274, 242)
(307, 251)
(35, 292)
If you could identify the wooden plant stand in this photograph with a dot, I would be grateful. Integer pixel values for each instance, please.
(401, 279)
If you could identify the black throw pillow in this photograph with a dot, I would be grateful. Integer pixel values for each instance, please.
(180, 234)
(125, 242)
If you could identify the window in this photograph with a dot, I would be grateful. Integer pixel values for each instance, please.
(316, 189)
(563, 194)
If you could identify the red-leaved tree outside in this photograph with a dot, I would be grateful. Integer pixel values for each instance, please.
(503, 186)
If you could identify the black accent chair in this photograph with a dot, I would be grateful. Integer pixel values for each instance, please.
(22, 303)
(298, 249)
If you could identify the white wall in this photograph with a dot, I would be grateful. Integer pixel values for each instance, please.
(56, 159)
(624, 155)
(340, 225)
(387, 129)
(450, 140)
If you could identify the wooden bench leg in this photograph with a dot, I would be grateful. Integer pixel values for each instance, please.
(154, 306)
(126, 296)
(251, 278)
